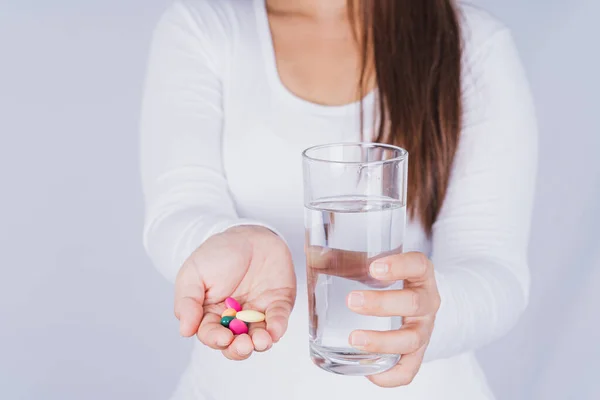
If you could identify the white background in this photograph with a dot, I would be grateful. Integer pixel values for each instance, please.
(83, 314)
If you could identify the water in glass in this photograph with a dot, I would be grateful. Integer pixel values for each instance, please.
(343, 236)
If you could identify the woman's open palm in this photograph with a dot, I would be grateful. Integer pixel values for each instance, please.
(249, 263)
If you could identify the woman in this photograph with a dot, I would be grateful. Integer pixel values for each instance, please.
(236, 89)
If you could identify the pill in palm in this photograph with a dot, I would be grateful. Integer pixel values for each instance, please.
(238, 327)
(226, 320)
(250, 316)
(230, 312)
(230, 302)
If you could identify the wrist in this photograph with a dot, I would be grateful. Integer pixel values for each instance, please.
(253, 228)
(250, 228)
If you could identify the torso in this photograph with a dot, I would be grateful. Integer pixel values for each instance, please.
(300, 74)
(272, 141)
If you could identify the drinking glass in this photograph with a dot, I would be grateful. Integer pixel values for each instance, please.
(355, 212)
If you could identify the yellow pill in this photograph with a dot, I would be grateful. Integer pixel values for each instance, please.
(230, 312)
(250, 316)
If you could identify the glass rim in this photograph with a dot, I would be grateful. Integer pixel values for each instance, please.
(402, 153)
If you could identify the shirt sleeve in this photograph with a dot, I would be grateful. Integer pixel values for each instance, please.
(185, 189)
(480, 239)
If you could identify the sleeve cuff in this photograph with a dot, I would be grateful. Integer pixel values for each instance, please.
(437, 343)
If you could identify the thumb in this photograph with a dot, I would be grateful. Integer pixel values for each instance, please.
(189, 300)
(277, 315)
(342, 263)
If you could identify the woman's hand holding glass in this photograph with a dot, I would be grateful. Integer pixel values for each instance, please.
(418, 303)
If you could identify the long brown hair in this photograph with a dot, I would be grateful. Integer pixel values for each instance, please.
(412, 48)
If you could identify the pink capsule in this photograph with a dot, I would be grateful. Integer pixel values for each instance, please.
(230, 302)
(238, 327)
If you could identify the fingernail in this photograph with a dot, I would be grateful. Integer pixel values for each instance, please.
(358, 339)
(242, 352)
(259, 347)
(356, 299)
(222, 342)
(379, 269)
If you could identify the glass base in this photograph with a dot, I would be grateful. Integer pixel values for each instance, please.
(349, 362)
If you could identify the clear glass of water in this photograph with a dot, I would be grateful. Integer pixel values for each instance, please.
(355, 212)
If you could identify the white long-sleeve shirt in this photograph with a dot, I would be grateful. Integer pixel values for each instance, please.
(221, 139)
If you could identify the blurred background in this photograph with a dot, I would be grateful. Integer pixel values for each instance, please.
(83, 314)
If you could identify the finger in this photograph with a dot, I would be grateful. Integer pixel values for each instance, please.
(345, 264)
(311, 285)
(403, 373)
(189, 298)
(414, 267)
(342, 263)
(318, 257)
(408, 339)
(189, 313)
(213, 334)
(240, 349)
(261, 339)
(410, 302)
(276, 318)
